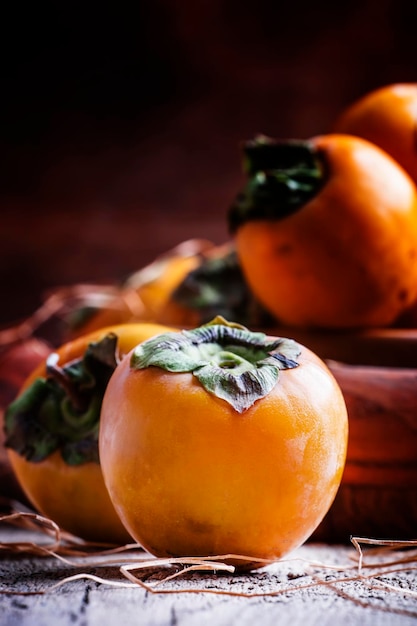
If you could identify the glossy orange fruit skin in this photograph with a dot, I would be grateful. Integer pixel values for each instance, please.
(388, 118)
(348, 257)
(190, 476)
(75, 497)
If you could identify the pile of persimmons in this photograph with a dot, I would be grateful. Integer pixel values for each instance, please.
(218, 440)
(323, 234)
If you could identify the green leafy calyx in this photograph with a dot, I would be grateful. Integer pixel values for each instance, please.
(282, 176)
(62, 411)
(230, 361)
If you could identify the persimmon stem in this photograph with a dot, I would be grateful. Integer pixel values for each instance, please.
(61, 411)
(231, 362)
(282, 176)
(61, 377)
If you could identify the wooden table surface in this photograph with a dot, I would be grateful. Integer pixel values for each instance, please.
(95, 187)
(288, 593)
(316, 584)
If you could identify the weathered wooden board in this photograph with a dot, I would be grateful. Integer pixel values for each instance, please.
(299, 597)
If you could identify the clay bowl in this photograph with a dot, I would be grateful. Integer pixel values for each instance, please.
(377, 372)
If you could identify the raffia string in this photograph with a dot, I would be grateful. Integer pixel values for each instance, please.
(63, 544)
(125, 297)
(372, 570)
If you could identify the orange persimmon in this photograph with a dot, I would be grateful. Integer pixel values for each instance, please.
(185, 287)
(386, 116)
(145, 295)
(52, 442)
(219, 441)
(326, 232)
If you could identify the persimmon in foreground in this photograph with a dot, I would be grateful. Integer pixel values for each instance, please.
(52, 431)
(219, 440)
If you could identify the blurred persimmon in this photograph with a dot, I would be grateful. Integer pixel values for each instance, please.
(388, 118)
(326, 232)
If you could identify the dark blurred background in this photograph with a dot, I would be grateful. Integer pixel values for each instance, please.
(120, 127)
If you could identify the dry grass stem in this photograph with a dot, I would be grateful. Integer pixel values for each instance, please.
(372, 569)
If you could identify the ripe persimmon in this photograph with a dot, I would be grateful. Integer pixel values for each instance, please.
(146, 293)
(187, 286)
(387, 117)
(52, 432)
(326, 232)
(219, 441)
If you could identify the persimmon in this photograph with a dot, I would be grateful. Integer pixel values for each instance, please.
(215, 287)
(222, 441)
(146, 295)
(326, 232)
(386, 116)
(52, 432)
(17, 360)
(187, 286)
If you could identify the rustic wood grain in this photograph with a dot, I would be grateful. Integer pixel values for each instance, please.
(97, 183)
(378, 494)
(91, 603)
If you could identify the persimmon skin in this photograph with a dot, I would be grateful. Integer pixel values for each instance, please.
(151, 299)
(387, 117)
(190, 476)
(147, 294)
(348, 257)
(75, 497)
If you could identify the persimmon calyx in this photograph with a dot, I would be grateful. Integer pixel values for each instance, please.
(62, 411)
(218, 284)
(230, 361)
(281, 177)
